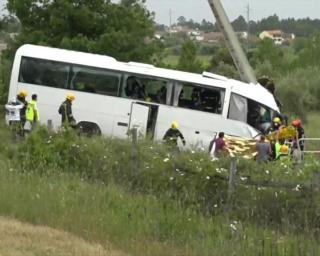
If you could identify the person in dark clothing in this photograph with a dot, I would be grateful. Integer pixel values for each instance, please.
(264, 150)
(270, 86)
(65, 110)
(275, 125)
(171, 136)
(21, 99)
(300, 132)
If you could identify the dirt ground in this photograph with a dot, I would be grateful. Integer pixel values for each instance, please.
(21, 239)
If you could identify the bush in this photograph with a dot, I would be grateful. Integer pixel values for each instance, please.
(5, 72)
(266, 194)
(299, 91)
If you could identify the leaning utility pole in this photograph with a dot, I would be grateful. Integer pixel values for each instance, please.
(248, 28)
(232, 42)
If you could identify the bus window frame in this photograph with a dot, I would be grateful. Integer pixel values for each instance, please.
(222, 91)
(272, 114)
(169, 84)
(120, 73)
(46, 60)
(71, 74)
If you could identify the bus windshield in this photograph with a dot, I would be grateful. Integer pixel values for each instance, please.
(254, 113)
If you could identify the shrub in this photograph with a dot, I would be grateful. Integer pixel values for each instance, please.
(266, 194)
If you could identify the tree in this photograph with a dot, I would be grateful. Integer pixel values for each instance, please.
(309, 55)
(267, 51)
(221, 56)
(182, 21)
(239, 24)
(9, 24)
(188, 58)
(97, 26)
(207, 26)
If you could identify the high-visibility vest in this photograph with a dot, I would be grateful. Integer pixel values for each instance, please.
(277, 147)
(32, 111)
(279, 152)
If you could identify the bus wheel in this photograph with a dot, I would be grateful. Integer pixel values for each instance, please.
(88, 128)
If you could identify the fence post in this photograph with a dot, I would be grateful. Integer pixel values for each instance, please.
(134, 150)
(49, 124)
(231, 183)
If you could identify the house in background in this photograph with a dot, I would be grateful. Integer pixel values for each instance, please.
(213, 37)
(277, 36)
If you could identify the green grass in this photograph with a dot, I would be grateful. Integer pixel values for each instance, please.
(312, 131)
(173, 60)
(156, 202)
(136, 223)
(312, 125)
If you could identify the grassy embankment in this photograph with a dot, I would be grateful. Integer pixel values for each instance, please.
(173, 60)
(17, 238)
(155, 203)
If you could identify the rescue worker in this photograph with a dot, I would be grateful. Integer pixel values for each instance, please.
(268, 83)
(270, 86)
(300, 132)
(276, 123)
(65, 110)
(32, 114)
(273, 129)
(172, 134)
(21, 99)
(281, 149)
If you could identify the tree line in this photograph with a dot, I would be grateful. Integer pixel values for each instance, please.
(300, 27)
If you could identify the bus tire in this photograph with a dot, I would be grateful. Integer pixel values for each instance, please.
(88, 128)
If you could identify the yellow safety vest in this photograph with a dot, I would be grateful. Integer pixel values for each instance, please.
(32, 112)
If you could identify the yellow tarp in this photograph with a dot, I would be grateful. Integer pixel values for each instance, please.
(246, 147)
(285, 132)
(238, 146)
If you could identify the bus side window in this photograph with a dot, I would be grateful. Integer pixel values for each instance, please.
(200, 98)
(44, 72)
(134, 89)
(147, 89)
(95, 80)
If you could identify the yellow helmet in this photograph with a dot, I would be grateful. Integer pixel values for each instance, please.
(23, 93)
(277, 120)
(174, 125)
(70, 96)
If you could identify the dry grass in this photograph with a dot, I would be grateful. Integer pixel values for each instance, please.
(20, 239)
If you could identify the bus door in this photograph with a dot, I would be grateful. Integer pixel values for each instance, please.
(144, 117)
(202, 138)
(139, 116)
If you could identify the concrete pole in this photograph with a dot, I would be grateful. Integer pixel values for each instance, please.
(232, 42)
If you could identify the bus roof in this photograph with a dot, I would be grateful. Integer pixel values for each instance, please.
(254, 92)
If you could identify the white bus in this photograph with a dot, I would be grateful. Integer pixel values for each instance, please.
(113, 96)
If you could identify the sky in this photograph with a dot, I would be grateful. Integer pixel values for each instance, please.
(200, 9)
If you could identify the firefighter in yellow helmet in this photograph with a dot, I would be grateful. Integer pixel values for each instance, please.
(21, 99)
(65, 110)
(276, 123)
(172, 134)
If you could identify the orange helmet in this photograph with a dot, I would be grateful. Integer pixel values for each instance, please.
(284, 149)
(296, 122)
